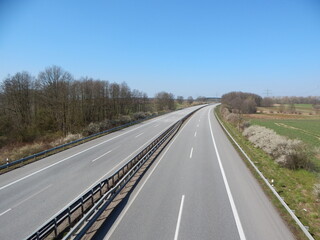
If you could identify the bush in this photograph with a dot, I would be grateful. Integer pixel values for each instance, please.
(92, 128)
(244, 125)
(139, 115)
(232, 118)
(292, 154)
(104, 125)
(123, 119)
(224, 112)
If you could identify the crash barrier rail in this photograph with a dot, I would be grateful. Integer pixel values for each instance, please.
(284, 204)
(46, 152)
(74, 216)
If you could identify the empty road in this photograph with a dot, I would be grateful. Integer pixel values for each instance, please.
(31, 195)
(198, 188)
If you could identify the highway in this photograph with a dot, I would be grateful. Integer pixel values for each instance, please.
(198, 188)
(31, 195)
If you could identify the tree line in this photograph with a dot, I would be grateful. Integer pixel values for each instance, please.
(54, 104)
(269, 101)
(241, 102)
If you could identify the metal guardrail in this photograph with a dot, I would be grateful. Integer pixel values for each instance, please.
(44, 153)
(77, 213)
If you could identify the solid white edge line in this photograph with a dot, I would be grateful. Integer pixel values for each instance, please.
(5, 212)
(233, 206)
(117, 222)
(179, 219)
(284, 204)
(191, 153)
(139, 135)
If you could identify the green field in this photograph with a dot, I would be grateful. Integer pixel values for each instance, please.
(306, 130)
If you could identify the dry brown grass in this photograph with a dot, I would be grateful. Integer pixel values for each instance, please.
(17, 151)
(279, 116)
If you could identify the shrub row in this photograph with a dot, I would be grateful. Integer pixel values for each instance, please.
(107, 124)
(289, 153)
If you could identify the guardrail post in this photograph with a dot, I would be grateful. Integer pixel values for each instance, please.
(112, 181)
(69, 216)
(82, 210)
(108, 185)
(55, 227)
(7, 161)
(92, 196)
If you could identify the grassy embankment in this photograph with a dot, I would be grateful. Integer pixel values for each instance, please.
(296, 187)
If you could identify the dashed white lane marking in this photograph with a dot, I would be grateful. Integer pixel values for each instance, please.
(102, 155)
(139, 135)
(5, 212)
(195, 133)
(179, 219)
(191, 152)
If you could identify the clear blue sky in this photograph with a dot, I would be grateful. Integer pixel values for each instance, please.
(187, 47)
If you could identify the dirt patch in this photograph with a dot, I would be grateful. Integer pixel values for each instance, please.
(278, 116)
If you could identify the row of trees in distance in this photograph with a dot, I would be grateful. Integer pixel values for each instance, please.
(54, 104)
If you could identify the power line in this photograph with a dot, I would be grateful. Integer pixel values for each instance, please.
(267, 92)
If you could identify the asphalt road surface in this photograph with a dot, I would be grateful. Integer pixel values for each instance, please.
(198, 188)
(31, 195)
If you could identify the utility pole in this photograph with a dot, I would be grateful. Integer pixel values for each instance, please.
(267, 92)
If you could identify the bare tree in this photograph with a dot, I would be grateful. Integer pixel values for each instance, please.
(180, 99)
(164, 101)
(54, 83)
(17, 91)
(55, 104)
(190, 100)
(267, 102)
